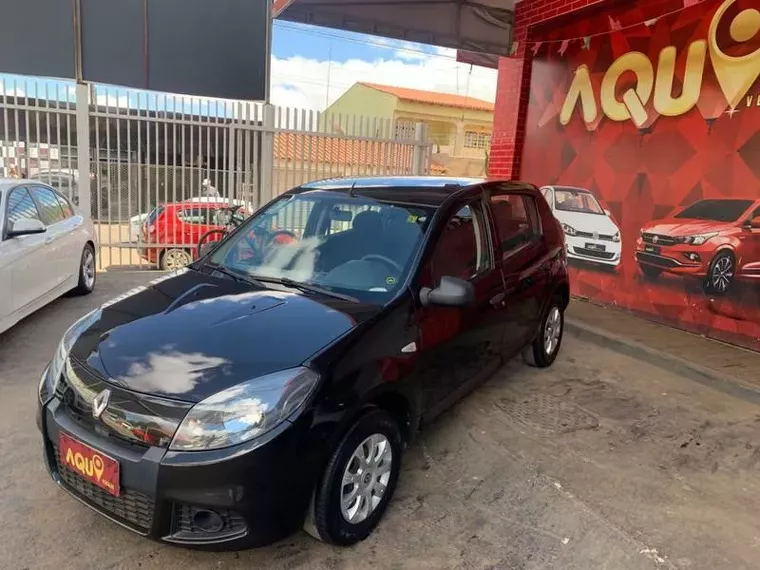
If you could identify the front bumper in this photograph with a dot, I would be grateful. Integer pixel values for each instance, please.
(594, 250)
(677, 259)
(260, 490)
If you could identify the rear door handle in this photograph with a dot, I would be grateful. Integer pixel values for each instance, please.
(497, 300)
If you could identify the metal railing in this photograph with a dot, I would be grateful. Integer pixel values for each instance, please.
(164, 154)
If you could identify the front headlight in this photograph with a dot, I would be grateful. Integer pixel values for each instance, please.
(49, 382)
(245, 411)
(697, 239)
(569, 230)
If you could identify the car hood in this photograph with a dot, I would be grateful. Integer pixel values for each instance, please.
(682, 227)
(587, 222)
(190, 335)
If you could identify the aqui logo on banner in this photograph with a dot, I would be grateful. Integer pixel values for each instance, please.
(735, 76)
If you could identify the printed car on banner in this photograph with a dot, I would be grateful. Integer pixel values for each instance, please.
(651, 128)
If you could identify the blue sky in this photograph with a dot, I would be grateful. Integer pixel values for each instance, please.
(311, 67)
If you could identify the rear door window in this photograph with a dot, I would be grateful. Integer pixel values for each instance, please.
(516, 220)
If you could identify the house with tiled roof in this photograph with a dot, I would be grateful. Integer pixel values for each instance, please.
(458, 126)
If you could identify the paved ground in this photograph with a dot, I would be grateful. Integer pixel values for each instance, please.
(603, 462)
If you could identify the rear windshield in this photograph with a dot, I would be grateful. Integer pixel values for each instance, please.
(715, 210)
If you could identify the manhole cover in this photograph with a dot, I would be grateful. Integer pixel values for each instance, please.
(548, 413)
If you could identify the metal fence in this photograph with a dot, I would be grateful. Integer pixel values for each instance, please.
(182, 159)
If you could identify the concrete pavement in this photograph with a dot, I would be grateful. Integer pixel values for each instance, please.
(603, 461)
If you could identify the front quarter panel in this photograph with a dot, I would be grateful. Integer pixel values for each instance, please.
(366, 368)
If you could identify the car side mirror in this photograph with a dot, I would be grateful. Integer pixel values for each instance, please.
(451, 292)
(26, 227)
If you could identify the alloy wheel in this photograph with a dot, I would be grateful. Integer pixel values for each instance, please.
(552, 331)
(722, 274)
(365, 479)
(176, 259)
(88, 269)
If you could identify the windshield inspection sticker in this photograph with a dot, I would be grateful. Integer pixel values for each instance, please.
(390, 280)
(412, 219)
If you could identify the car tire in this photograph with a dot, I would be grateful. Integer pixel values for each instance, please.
(544, 350)
(375, 435)
(649, 271)
(87, 272)
(720, 274)
(175, 258)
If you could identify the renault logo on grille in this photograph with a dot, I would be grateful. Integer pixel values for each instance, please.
(100, 403)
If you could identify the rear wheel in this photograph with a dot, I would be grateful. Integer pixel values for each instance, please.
(175, 258)
(86, 282)
(650, 271)
(720, 275)
(545, 348)
(358, 482)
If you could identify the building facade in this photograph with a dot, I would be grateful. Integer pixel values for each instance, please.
(459, 128)
(641, 120)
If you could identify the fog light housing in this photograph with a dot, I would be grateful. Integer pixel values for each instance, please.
(691, 256)
(207, 521)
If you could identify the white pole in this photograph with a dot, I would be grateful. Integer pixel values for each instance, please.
(83, 147)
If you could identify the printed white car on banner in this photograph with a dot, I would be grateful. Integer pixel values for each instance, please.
(590, 233)
(47, 248)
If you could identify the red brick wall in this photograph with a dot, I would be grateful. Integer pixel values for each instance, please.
(513, 87)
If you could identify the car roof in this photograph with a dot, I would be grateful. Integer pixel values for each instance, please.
(8, 183)
(565, 187)
(424, 190)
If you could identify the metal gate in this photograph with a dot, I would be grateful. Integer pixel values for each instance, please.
(163, 167)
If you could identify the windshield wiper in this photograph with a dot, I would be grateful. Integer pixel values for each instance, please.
(287, 282)
(238, 276)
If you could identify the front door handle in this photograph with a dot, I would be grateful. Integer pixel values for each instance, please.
(497, 300)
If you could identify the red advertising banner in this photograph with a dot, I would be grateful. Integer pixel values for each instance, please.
(278, 6)
(647, 143)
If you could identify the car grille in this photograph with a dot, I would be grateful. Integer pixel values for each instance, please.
(130, 507)
(593, 253)
(589, 235)
(658, 239)
(656, 260)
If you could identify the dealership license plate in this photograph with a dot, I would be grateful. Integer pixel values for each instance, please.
(93, 466)
(652, 249)
(595, 247)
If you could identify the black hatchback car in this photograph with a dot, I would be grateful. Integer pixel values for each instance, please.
(274, 383)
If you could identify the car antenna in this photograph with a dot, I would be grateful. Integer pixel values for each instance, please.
(351, 191)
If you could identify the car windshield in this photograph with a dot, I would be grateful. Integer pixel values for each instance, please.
(339, 243)
(571, 200)
(715, 210)
(154, 214)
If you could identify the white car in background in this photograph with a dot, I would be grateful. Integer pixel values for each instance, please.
(47, 248)
(590, 233)
(136, 222)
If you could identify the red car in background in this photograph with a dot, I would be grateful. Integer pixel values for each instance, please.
(172, 231)
(714, 240)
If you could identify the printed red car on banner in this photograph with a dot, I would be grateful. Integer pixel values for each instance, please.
(715, 240)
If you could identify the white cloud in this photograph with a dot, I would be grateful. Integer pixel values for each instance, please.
(113, 100)
(301, 82)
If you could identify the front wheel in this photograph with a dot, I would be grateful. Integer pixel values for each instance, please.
(545, 348)
(358, 482)
(720, 275)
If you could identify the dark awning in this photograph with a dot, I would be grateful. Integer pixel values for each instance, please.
(483, 26)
